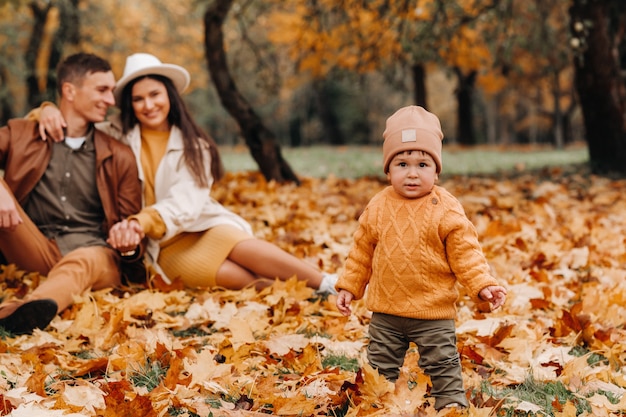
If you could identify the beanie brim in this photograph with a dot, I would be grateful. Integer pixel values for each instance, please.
(428, 142)
(412, 128)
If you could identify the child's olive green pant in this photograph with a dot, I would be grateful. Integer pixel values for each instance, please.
(436, 342)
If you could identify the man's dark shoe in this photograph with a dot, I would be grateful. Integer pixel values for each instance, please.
(36, 314)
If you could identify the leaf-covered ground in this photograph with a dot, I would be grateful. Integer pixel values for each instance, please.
(556, 240)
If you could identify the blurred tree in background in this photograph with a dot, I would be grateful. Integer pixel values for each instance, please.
(599, 35)
(260, 140)
(308, 72)
(54, 26)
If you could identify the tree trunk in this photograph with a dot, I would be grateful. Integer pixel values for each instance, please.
(465, 113)
(568, 114)
(559, 140)
(330, 121)
(532, 113)
(295, 131)
(419, 84)
(600, 25)
(259, 139)
(35, 93)
(6, 112)
(491, 117)
(68, 31)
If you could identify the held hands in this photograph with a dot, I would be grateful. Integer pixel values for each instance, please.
(125, 236)
(51, 123)
(495, 294)
(344, 298)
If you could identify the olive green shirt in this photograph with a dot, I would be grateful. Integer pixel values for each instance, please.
(65, 204)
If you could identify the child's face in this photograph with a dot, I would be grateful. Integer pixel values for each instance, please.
(412, 174)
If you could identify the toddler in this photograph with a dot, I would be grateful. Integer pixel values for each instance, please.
(413, 244)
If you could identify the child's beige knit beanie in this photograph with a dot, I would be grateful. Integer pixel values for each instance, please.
(412, 128)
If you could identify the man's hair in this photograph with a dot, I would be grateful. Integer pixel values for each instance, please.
(75, 67)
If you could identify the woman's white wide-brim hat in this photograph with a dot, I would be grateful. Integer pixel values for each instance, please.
(143, 64)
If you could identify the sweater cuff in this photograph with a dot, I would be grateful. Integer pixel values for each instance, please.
(151, 223)
(35, 114)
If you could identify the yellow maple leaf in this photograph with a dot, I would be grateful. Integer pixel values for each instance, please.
(298, 405)
(241, 333)
(282, 344)
(376, 388)
(408, 395)
(203, 368)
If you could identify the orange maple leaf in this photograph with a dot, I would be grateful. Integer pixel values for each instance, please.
(119, 405)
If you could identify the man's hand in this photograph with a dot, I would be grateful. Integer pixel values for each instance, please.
(51, 123)
(125, 236)
(495, 294)
(9, 216)
(344, 298)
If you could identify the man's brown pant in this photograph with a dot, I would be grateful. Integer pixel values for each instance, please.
(93, 267)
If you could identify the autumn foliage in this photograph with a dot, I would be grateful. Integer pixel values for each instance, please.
(554, 238)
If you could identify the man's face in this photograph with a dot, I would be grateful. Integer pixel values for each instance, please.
(94, 95)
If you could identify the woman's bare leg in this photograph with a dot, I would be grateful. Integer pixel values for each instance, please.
(232, 276)
(263, 259)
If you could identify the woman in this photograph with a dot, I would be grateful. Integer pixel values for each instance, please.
(191, 235)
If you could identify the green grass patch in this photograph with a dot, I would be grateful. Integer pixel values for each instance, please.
(84, 354)
(4, 334)
(149, 375)
(190, 332)
(366, 161)
(340, 361)
(593, 359)
(310, 333)
(541, 394)
(10, 383)
(181, 411)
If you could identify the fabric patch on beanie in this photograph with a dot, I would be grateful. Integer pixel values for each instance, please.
(409, 135)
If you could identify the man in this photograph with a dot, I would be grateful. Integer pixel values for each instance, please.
(58, 200)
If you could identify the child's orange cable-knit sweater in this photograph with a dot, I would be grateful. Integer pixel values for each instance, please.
(410, 253)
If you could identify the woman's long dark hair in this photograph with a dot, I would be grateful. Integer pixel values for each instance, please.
(194, 138)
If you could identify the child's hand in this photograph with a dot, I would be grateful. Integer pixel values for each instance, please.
(495, 294)
(344, 298)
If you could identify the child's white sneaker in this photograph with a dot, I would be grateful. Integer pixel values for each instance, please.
(455, 405)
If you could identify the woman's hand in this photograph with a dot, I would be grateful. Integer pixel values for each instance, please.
(125, 236)
(51, 123)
